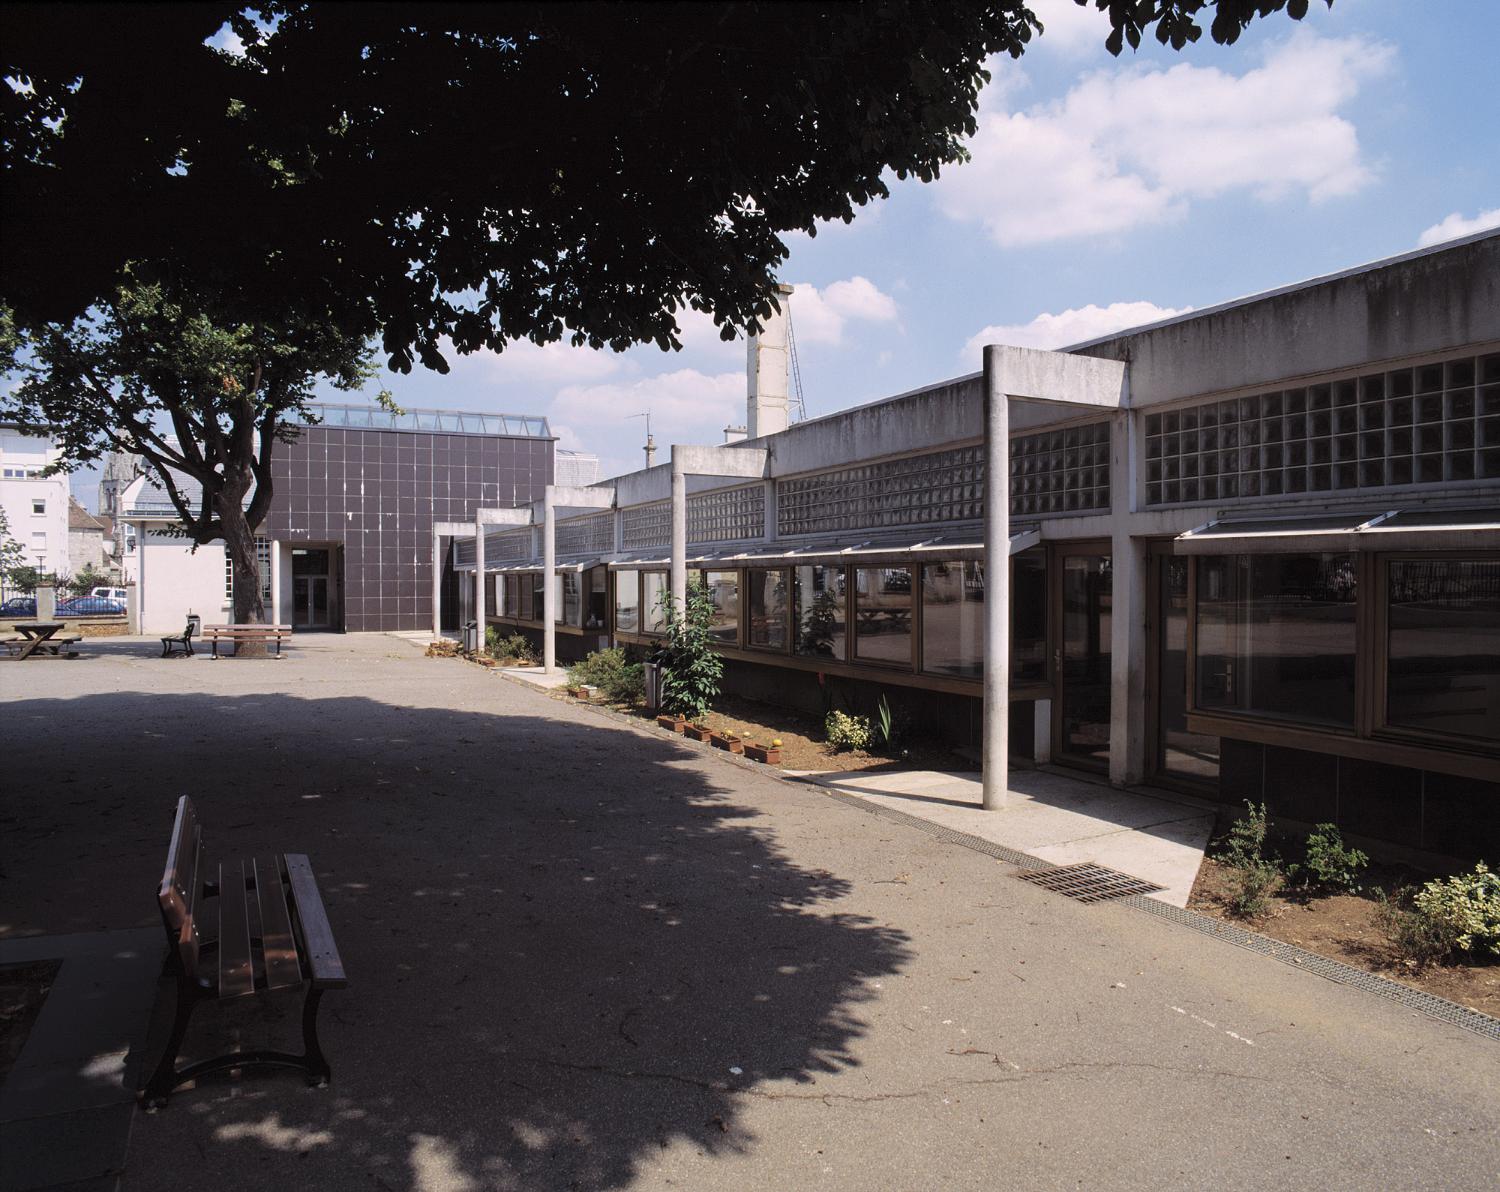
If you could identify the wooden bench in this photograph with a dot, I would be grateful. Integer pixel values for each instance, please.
(257, 927)
(59, 646)
(183, 639)
(214, 634)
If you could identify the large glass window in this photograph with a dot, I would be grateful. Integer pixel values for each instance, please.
(818, 612)
(627, 601)
(653, 616)
(1276, 635)
(1028, 616)
(953, 619)
(766, 604)
(724, 591)
(525, 592)
(598, 599)
(1180, 753)
(882, 615)
(1443, 647)
(538, 596)
(569, 609)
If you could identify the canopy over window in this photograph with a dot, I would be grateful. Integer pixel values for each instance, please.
(1396, 529)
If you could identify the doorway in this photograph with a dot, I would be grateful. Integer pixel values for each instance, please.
(1081, 608)
(311, 580)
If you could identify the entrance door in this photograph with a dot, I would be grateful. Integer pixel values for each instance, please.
(310, 589)
(1178, 756)
(1081, 710)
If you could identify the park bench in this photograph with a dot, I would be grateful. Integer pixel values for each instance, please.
(183, 639)
(255, 927)
(237, 634)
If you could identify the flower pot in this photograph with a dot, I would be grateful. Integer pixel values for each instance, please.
(728, 741)
(698, 732)
(769, 754)
(675, 723)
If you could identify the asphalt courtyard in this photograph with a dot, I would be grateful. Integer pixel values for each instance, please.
(582, 955)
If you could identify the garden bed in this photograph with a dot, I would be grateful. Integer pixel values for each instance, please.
(1347, 927)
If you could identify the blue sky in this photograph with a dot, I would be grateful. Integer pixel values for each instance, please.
(1102, 193)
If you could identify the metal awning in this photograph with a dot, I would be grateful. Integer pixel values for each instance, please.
(1393, 529)
(871, 552)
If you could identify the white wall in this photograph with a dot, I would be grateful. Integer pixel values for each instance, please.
(44, 536)
(175, 580)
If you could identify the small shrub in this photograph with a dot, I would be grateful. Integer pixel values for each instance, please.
(847, 732)
(1417, 938)
(1257, 876)
(1465, 907)
(1330, 863)
(612, 673)
(691, 668)
(515, 647)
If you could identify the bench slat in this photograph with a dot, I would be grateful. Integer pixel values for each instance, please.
(181, 874)
(236, 974)
(317, 936)
(277, 943)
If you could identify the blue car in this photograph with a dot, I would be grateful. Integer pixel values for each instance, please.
(19, 606)
(89, 606)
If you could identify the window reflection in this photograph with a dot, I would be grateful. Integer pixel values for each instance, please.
(653, 588)
(724, 591)
(1028, 617)
(882, 614)
(768, 611)
(953, 619)
(1444, 647)
(818, 611)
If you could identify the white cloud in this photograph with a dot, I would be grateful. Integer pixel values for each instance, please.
(1069, 28)
(228, 40)
(1073, 326)
(1457, 225)
(550, 364)
(1134, 145)
(822, 316)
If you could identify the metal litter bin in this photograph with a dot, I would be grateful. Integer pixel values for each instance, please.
(197, 623)
(653, 685)
(471, 637)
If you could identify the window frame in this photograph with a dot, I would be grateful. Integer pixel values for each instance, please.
(851, 606)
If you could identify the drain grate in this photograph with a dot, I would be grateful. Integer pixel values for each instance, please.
(1087, 882)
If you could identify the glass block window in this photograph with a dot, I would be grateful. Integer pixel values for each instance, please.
(728, 515)
(505, 547)
(646, 525)
(594, 534)
(943, 486)
(1060, 471)
(1428, 424)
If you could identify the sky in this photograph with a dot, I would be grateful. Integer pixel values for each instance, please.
(1102, 193)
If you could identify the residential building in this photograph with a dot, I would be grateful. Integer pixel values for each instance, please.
(36, 506)
(1252, 551)
(87, 546)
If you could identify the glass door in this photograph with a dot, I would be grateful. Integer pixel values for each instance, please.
(1082, 658)
(310, 589)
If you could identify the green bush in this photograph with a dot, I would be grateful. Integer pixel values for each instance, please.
(1418, 938)
(889, 728)
(847, 732)
(515, 647)
(612, 673)
(1465, 908)
(691, 668)
(1257, 876)
(1330, 863)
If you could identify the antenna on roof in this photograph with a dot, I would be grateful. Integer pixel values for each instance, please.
(650, 442)
(797, 407)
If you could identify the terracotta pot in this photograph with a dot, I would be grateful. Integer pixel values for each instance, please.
(675, 723)
(698, 732)
(769, 754)
(725, 741)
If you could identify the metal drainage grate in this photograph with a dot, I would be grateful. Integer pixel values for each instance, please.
(1087, 882)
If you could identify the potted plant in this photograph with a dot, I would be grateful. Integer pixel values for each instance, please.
(727, 740)
(672, 720)
(699, 731)
(768, 754)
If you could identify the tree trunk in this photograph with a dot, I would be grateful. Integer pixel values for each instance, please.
(239, 544)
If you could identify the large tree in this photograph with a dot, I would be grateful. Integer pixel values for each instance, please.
(481, 173)
(204, 400)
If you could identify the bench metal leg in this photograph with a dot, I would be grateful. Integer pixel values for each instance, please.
(312, 1063)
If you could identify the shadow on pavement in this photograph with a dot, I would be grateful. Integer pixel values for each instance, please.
(568, 949)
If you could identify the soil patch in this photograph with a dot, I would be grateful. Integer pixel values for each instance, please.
(23, 989)
(1347, 927)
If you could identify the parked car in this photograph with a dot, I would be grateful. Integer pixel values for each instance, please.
(19, 606)
(90, 606)
(110, 593)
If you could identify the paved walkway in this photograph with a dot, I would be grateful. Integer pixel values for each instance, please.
(1059, 818)
(583, 955)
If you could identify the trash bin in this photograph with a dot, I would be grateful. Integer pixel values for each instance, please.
(471, 637)
(197, 623)
(652, 672)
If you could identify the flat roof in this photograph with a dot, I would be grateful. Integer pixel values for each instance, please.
(426, 421)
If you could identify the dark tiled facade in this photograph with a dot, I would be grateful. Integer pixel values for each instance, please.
(376, 494)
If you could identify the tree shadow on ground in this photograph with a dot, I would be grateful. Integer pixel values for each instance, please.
(568, 949)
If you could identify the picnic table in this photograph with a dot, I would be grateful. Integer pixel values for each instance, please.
(39, 640)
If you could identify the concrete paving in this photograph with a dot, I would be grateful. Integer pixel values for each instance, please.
(1059, 818)
(585, 955)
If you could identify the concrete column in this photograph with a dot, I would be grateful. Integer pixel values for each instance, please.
(132, 608)
(1127, 629)
(437, 585)
(480, 595)
(549, 582)
(276, 583)
(770, 526)
(46, 602)
(996, 759)
(679, 535)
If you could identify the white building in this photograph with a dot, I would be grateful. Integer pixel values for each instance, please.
(576, 468)
(36, 506)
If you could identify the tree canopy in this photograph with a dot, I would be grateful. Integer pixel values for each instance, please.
(481, 173)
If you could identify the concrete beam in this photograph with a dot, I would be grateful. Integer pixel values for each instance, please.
(503, 517)
(453, 529)
(744, 463)
(564, 496)
(1032, 374)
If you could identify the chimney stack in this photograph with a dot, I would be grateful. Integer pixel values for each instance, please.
(650, 449)
(767, 368)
